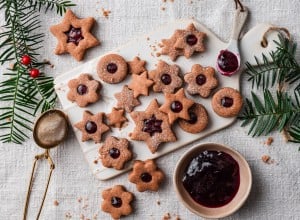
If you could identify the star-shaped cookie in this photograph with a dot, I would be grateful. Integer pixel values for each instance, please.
(137, 66)
(176, 106)
(169, 49)
(74, 36)
(126, 99)
(140, 84)
(92, 126)
(116, 118)
(189, 40)
(152, 126)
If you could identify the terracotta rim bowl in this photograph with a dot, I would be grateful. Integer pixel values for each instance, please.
(206, 212)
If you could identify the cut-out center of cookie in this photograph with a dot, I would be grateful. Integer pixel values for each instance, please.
(90, 127)
(201, 79)
(114, 153)
(74, 35)
(227, 61)
(82, 89)
(176, 106)
(166, 79)
(112, 68)
(146, 177)
(191, 39)
(193, 118)
(116, 202)
(227, 102)
(152, 125)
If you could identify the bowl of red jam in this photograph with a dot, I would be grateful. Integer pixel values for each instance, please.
(212, 180)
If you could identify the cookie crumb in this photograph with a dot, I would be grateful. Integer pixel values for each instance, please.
(105, 13)
(68, 215)
(163, 8)
(55, 203)
(148, 38)
(167, 216)
(177, 217)
(79, 199)
(95, 161)
(266, 158)
(269, 141)
(158, 202)
(158, 54)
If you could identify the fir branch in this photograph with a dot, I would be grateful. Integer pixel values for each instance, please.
(60, 5)
(22, 95)
(271, 114)
(281, 68)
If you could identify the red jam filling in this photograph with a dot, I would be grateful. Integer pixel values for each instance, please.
(227, 61)
(152, 125)
(74, 35)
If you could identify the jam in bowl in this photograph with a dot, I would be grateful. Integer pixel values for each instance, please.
(212, 180)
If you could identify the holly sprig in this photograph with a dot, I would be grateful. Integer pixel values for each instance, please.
(280, 110)
(25, 90)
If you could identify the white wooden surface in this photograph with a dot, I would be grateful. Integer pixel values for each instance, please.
(275, 193)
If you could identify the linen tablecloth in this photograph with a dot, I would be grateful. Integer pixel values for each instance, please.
(275, 193)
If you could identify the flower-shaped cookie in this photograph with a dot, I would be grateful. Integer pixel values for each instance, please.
(140, 84)
(137, 66)
(126, 99)
(115, 153)
(166, 77)
(146, 175)
(74, 36)
(116, 118)
(189, 40)
(201, 80)
(84, 90)
(116, 201)
(92, 126)
(152, 126)
(176, 106)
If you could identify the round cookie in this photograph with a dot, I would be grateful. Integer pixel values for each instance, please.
(227, 102)
(112, 68)
(198, 119)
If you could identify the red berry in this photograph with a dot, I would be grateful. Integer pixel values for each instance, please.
(25, 60)
(34, 73)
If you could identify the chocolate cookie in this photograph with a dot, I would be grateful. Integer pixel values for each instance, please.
(198, 119)
(137, 66)
(166, 77)
(115, 152)
(146, 175)
(126, 99)
(116, 118)
(74, 35)
(227, 102)
(201, 80)
(116, 201)
(176, 106)
(84, 90)
(152, 126)
(92, 126)
(112, 68)
(140, 84)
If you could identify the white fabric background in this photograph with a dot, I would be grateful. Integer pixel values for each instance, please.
(275, 193)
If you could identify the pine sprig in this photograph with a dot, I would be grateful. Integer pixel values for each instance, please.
(269, 114)
(21, 95)
(60, 5)
(279, 112)
(282, 67)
